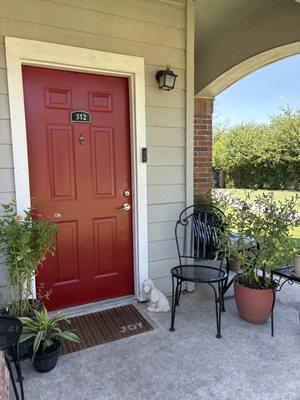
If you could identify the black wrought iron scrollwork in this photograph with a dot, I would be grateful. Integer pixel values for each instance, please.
(280, 282)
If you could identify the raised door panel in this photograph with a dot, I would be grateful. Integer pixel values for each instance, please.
(66, 253)
(105, 246)
(103, 156)
(61, 162)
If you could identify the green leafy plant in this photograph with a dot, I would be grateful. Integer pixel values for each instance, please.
(257, 233)
(45, 330)
(24, 244)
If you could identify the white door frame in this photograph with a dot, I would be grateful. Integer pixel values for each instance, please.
(29, 52)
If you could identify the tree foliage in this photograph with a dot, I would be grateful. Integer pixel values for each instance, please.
(263, 156)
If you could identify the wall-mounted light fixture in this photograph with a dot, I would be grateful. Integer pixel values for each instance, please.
(166, 79)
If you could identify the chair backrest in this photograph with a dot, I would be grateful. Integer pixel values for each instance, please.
(10, 331)
(197, 232)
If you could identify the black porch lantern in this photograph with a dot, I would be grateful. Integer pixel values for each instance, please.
(166, 79)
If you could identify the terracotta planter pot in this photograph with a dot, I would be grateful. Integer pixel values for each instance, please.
(254, 305)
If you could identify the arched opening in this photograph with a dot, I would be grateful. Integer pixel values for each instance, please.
(244, 68)
(204, 108)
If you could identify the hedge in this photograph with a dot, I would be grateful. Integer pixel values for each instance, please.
(262, 156)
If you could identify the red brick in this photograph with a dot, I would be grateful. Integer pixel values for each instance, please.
(203, 146)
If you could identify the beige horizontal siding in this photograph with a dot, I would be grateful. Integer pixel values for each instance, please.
(161, 231)
(3, 81)
(153, 30)
(2, 51)
(70, 18)
(165, 116)
(159, 98)
(6, 197)
(158, 136)
(5, 136)
(166, 194)
(164, 212)
(4, 107)
(133, 9)
(164, 231)
(162, 268)
(7, 180)
(164, 284)
(6, 160)
(166, 156)
(153, 54)
(162, 249)
(166, 175)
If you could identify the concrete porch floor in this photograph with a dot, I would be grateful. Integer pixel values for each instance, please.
(187, 364)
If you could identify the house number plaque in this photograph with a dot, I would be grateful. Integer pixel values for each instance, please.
(80, 116)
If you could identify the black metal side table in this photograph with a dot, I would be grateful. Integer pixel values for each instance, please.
(285, 275)
(10, 332)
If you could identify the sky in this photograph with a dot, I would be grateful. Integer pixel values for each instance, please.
(260, 94)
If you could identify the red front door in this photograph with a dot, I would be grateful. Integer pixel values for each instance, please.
(79, 172)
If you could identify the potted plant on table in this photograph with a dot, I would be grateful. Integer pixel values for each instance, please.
(268, 224)
(47, 335)
(24, 244)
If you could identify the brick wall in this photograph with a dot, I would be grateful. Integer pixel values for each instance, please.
(203, 146)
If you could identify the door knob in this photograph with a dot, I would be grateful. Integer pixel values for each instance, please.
(125, 207)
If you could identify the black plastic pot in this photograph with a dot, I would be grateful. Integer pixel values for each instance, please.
(26, 347)
(46, 361)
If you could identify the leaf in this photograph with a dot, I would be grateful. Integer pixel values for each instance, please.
(25, 336)
(37, 343)
(72, 337)
(25, 320)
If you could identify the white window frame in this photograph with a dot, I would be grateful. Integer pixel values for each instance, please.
(29, 52)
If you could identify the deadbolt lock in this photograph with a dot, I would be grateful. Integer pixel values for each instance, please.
(126, 193)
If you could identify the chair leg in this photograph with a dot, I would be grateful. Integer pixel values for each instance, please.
(222, 295)
(174, 301)
(18, 368)
(218, 307)
(273, 305)
(179, 293)
(12, 377)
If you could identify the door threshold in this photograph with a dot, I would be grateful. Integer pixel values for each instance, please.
(90, 308)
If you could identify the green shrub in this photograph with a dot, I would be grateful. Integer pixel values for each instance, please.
(261, 156)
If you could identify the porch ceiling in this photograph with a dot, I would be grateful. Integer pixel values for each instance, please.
(228, 33)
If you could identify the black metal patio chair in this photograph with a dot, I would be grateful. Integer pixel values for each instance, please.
(197, 232)
(10, 332)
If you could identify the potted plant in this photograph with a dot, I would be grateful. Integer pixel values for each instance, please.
(47, 335)
(268, 224)
(24, 244)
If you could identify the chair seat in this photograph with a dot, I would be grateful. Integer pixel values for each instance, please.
(199, 273)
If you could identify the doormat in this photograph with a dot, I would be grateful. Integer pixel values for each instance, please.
(104, 326)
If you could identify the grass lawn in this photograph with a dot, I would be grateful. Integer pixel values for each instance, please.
(278, 194)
